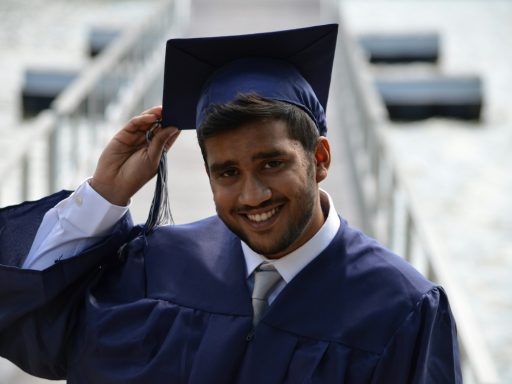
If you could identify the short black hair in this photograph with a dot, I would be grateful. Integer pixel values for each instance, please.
(250, 108)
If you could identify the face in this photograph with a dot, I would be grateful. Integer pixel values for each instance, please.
(265, 186)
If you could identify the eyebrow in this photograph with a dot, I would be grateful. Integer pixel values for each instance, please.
(268, 154)
(217, 167)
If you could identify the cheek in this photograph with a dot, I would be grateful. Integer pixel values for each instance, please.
(218, 196)
(298, 177)
(223, 197)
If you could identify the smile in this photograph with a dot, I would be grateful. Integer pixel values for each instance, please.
(259, 217)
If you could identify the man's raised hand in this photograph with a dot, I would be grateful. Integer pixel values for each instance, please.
(128, 161)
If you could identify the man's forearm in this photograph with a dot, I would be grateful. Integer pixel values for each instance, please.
(73, 225)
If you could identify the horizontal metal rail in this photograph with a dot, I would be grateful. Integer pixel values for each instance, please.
(391, 213)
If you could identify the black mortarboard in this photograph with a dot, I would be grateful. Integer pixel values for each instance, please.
(292, 65)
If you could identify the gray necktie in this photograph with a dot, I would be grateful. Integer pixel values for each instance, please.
(265, 278)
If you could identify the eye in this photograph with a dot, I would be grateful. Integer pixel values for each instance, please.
(232, 172)
(273, 164)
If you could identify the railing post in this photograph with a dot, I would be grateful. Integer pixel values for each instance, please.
(53, 158)
(391, 210)
(409, 233)
(25, 176)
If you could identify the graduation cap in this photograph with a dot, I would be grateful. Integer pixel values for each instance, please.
(293, 66)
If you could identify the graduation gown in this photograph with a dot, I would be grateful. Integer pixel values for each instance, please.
(174, 307)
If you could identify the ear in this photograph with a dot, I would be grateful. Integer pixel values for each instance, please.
(322, 158)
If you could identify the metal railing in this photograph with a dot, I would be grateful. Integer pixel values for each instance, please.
(60, 148)
(389, 209)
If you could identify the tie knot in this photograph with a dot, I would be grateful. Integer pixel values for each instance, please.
(265, 278)
(265, 266)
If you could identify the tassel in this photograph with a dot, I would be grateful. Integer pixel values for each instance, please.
(160, 211)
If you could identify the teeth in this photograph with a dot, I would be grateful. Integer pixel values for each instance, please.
(262, 216)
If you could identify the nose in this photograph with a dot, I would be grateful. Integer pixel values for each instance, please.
(254, 192)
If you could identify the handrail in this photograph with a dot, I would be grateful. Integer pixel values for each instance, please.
(69, 100)
(80, 119)
(390, 209)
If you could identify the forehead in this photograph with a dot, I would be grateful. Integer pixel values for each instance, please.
(243, 142)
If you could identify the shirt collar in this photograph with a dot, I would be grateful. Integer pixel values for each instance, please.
(290, 265)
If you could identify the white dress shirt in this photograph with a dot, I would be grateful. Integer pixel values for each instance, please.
(85, 217)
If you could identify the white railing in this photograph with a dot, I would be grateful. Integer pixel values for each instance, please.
(61, 146)
(389, 209)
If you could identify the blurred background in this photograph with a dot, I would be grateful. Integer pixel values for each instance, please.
(419, 117)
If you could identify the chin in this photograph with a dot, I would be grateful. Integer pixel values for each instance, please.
(269, 248)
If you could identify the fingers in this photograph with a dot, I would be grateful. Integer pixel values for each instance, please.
(157, 110)
(135, 134)
(162, 141)
(141, 123)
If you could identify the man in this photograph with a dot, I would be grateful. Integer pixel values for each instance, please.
(274, 289)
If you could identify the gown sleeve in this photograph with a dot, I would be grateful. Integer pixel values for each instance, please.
(40, 309)
(424, 349)
(73, 225)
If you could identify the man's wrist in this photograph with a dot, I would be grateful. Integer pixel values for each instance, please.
(109, 193)
(88, 212)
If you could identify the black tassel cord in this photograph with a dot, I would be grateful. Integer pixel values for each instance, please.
(160, 211)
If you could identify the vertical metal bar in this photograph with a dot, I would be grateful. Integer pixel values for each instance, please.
(92, 116)
(74, 125)
(431, 272)
(53, 158)
(409, 233)
(374, 156)
(25, 176)
(391, 210)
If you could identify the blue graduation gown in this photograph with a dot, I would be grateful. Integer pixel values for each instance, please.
(174, 307)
